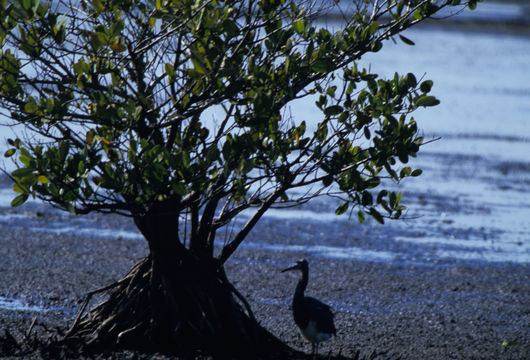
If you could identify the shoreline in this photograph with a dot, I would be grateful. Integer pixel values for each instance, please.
(458, 310)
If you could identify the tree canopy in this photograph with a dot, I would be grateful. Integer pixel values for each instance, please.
(137, 102)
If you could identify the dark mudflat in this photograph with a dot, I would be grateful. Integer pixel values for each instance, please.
(395, 310)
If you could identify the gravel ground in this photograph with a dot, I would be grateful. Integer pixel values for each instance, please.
(451, 311)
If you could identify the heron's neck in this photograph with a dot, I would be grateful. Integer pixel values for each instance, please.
(300, 287)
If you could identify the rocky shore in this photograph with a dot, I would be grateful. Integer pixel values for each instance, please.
(383, 310)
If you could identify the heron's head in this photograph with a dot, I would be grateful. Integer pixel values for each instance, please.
(299, 265)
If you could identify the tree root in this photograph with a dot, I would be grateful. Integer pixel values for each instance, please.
(187, 308)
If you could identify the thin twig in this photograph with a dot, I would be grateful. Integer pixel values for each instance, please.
(85, 303)
(28, 332)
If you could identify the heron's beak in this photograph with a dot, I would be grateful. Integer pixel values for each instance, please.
(294, 267)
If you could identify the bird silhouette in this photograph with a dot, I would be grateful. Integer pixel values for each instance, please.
(313, 317)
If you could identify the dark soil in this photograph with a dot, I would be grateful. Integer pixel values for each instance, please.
(383, 310)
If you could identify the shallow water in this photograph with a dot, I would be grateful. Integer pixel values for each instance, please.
(471, 204)
(476, 178)
(10, 303)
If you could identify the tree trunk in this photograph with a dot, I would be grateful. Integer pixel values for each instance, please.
(173, 302)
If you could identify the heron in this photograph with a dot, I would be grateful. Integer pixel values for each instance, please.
(313, 317)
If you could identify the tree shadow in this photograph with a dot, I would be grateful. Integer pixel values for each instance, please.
(41, 342)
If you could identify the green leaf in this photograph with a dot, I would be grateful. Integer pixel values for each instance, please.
(333, 110)
(372, 85)
(116, 28)
(43, 179)
(406, 40)
(19, 200)
(416, 172)
(360, 216)
(426, 86)
(341, 209)
(327, 180)
(331, 90)
(299, 26)
(170, 70)
(399, 7)
(426, 100)
(26, 4)
(25, 157)
(376, 215)
(14, 142)
(9, 152)
(392, 199)
(322, 65)
(21, 172)
(367, 134)
(411, 80)
(406, 171)
(117, 47)
(98, 5)
(230, 27)
(19, 188)
(198, 65)
(381, 195)
(97, 39)
(398, 198)
(367, 198)
(343, 117)
(31, 106)
(179, 189)
(322, 132)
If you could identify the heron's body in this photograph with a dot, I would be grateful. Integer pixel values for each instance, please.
(313, 317)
